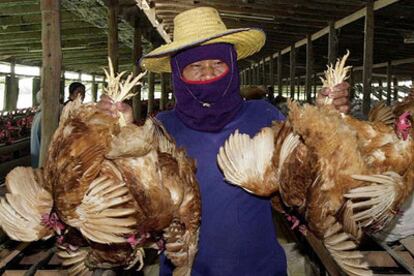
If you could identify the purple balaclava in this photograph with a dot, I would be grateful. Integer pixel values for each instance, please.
(207, 106)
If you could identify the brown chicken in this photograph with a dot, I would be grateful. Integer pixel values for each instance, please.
(110, 189)
(344, 176)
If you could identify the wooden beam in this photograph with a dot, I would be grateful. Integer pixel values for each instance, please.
(264, 79)
(113, 11)
(292, 72)
(368, 56)
(51, 69)
(151, 89)
(35, 89)
(271, 80)
(332, 43)
(395, 88)
(379, 4)
(150, 13)
(11, 89)
(94, 89)
(164, 92)
(279, 74)
(136, 55)
(309, 69)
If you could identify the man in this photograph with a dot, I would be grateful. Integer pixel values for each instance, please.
(237, 236)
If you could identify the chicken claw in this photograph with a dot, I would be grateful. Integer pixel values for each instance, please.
(139, 255)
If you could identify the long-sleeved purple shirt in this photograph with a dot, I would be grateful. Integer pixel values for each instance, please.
(237, 235)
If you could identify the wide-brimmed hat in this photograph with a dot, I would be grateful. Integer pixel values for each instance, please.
(200, 26)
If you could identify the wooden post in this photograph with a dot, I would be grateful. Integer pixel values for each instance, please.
(315, 85)
(332, 43)
(164, 92)
(368, 56)
(309, 68)
(11, 89)
(271, 95)
(136, 55)
(264, 79)
(292, 70)
(51, 70)
(35, 89)
(151, 88)
(380, 87)
(279, 74)
(113, 11)
(259, 77)
(389, 80)
(254, 75)
(395, 84)
(298, 88)
(351, 83)
(62, 88)
(94, 89)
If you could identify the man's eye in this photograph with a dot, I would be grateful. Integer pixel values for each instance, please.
(195, 65)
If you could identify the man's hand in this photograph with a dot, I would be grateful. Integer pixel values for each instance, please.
(109, 107)
(339, 95)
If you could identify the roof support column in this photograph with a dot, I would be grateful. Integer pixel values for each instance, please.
(136, 55)
(151, 88)
(292, 71)
(51, 72)
(279, 74)
(332, 43)
(11, 89)
(309, 68)
(113, 11)
(368, 56)
(389, 80)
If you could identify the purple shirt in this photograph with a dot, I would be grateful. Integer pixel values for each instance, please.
(237, 235)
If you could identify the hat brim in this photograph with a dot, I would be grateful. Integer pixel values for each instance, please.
(246, 41)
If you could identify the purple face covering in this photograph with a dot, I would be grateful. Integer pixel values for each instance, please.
(210, 106)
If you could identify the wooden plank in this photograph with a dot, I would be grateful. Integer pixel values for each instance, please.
(384, 259)
(113, 11)
(13, 253)
(396, 256)
(51, 70)
(17, 145)
(408, 244)
(164, 95)
(323, 254)
(368, 56)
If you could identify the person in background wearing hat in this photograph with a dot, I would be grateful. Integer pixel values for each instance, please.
(237, 235)
(75, 89)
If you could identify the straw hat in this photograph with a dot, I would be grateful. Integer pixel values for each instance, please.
(202, 26)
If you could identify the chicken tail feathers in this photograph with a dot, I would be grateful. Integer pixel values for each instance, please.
(373, 205)
(25, 205)
(74, 260)
(236, 156)
(342, 248)
(100, 217)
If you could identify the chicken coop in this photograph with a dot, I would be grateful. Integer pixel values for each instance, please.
(48, 44)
